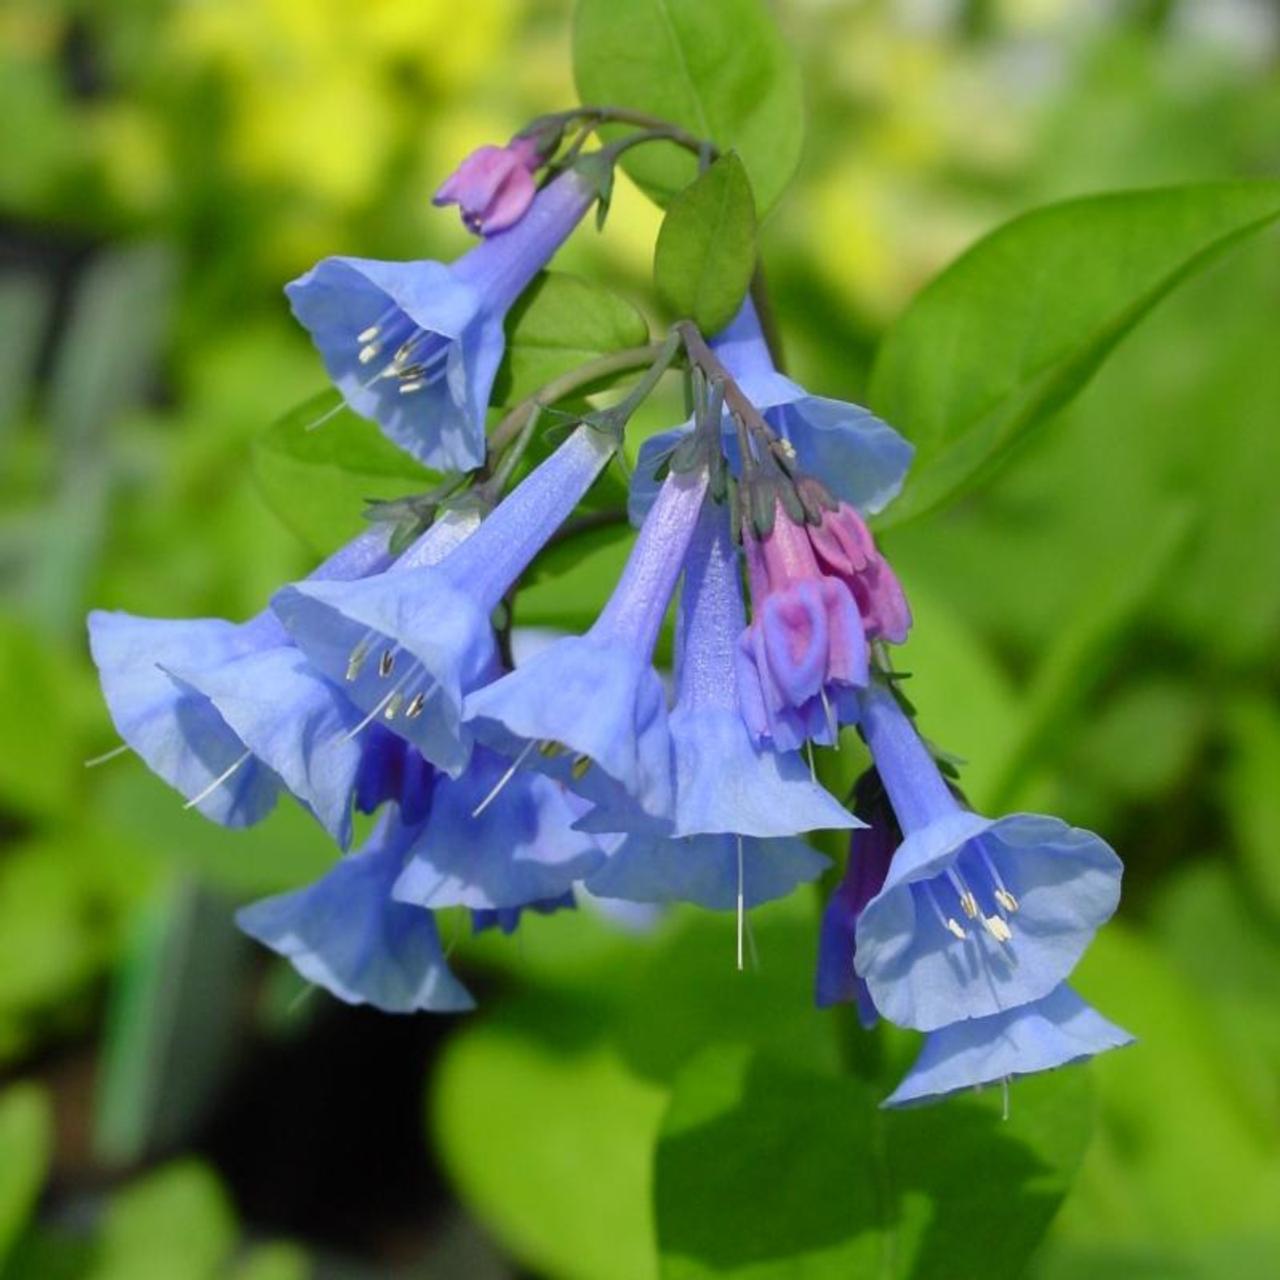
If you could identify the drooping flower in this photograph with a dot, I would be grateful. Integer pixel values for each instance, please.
(1057, 1029)
(590, 710)
(295, 721)
(845, 548)
(858, 457)
(406, 646)
(393, 771)
(496, 842)
(153, 671)
(738, 807)
(494, 186)
(976, 917)
(415, 346)
(508, 918)
(870, 851)
(347, 934)
(805, 653)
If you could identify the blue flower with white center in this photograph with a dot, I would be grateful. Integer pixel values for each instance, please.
(297, 722)
(508, 918)
(405, 646)
(1055, 1030)
(590, 710)
(857, 456)
(493, 841)
(738, 807)
(414, 346)
(154, 673)
(347, 934)
(976, 916)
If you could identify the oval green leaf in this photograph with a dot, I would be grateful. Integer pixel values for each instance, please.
(706, 250)
(1008, 334)
(722, 71)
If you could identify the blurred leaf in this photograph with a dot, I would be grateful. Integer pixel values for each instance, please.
(318, 479)
(26, 1142)
(171, 1030)
(770, 1171)
(1082, 648)
(560, 322)
(706, 250)
(722, 71)
(24, 310)
(277, 1261)
(1009, 333)
(1253, 796)
(1165, 1175)
(37, 738)
(551, 1144)
(174, 1224)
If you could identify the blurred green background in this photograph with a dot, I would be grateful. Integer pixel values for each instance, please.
(1096, 631)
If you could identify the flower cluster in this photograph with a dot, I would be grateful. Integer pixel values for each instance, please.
(379, 684)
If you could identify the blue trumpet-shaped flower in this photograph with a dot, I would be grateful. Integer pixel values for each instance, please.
(406, 645)
(976, 916)
(414, 346)
(1053, 1031)
(738, 807)
(590, 710)
(857, 456)
(493, 841)
(157, 675)
(347, 934)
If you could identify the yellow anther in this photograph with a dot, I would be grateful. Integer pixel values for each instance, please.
(386, 663)
(393, 705)
(580, 767)
(996, 928)
(969, 904)
(1006, 900)
(414, 709)
(956, 928)
(356, 660)
(549, 748)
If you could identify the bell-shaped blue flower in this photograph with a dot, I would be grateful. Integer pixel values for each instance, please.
(406, 645)
(393, 771)
(493, 841)
(976, 916)
(590, 710)
(508, 918)
(414, 346)
(347, 934)
(156, 673)
(857, 456)
(1053, 1031)
(729, 791)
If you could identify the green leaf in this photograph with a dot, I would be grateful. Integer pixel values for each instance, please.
(559, 323)
(1253, 798)
(571, 581)
(26, 1141)
(1011, 332)
(551, 1143)
(318, 479)
(721, 71)
(706, 250)
(175, 1224)
(769, 1171)
(171, 1030)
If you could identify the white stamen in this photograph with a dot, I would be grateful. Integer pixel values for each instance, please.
(1007, 900)
(95, 761)
(832, 727)
(954, 926)
(393, 706)
(386, 663)
(414, 709)
(366, 336)
(375, 713)
(742, 913)
(217, 782)
(369, 352)
(502, 781)
(968, 902)
(813, 768)
(408, 388)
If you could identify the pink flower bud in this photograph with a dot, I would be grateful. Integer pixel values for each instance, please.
(844, 547)
(493, 186)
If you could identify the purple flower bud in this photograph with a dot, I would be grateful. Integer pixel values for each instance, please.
(494, 186)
